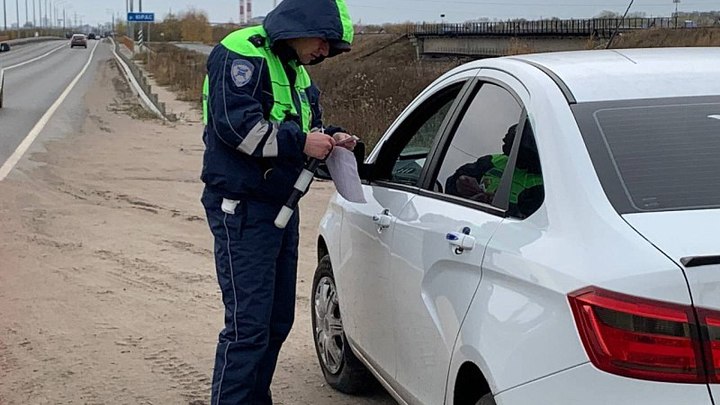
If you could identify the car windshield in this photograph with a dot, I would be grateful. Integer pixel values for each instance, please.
(655, 155)
(78, 36)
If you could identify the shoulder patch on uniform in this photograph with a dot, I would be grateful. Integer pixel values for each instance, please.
(242, 72)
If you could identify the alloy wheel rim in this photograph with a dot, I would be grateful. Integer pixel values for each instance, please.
(328, 325)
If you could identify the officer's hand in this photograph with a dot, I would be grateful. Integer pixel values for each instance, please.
(318, 145)
(344, 140)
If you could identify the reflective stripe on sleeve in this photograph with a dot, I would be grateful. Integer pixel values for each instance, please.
(256, 135)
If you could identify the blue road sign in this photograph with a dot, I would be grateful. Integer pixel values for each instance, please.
(141, 17)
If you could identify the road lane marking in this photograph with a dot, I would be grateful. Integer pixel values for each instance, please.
(35, 59)
(30, 138)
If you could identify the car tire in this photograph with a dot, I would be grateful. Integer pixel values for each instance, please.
(487, 399)
(345, 373)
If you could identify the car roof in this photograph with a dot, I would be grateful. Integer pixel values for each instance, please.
(625, 74)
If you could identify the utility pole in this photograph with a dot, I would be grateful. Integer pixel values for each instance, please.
(17, 14)
(5, 14)
(676, 12)
(131, 27)
(34, 20)
(27, 18)
(127, 23)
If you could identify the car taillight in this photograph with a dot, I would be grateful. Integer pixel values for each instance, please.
(647, 339)
(712, 321)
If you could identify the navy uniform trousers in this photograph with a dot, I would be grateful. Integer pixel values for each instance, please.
(256, 267)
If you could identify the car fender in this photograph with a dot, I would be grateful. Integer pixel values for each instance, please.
(330, 229)
(511, 322)
(464, 354)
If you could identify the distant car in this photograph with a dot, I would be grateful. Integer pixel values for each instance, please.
(539, 229)
(4, 47)
(78, 40)
(91, 36)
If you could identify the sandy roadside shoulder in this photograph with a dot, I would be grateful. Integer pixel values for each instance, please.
(107, 286)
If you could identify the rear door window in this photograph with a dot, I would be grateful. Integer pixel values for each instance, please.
(473, 167)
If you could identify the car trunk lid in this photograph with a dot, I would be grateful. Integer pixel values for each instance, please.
(691, 239)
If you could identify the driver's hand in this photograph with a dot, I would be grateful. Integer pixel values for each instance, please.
(484, 197)
(468, 186)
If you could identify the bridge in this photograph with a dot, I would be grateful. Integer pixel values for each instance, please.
(487, 39)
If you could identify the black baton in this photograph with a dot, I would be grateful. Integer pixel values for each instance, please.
(301, 187)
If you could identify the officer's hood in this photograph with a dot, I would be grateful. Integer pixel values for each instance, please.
(327, 19)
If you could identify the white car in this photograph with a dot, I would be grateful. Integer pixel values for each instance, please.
(589, 274)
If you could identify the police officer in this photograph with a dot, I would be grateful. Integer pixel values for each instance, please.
(262, 121)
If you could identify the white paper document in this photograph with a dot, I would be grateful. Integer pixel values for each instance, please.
(343, 169)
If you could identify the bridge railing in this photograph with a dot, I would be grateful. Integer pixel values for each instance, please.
(601, 27)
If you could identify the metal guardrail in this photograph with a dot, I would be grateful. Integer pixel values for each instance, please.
(31, 32)
(2, 85)
(148, 97)
(22, 41)
(598, 27)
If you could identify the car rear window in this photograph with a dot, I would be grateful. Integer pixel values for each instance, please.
(655, 155)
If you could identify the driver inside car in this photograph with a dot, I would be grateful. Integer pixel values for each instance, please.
(479, 180)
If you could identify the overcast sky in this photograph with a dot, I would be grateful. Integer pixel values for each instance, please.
(379, 11)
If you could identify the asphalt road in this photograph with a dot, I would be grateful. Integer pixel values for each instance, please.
(36, 76)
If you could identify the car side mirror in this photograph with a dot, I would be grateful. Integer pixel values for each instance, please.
(364, 170)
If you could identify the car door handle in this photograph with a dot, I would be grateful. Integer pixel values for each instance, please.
(460, 241)
(383, 220)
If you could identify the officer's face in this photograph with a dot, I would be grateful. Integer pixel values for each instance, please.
(309, 49)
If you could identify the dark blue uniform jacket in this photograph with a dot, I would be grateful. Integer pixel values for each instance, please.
(246, 156)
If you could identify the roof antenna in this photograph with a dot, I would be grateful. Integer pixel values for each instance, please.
(622, 20)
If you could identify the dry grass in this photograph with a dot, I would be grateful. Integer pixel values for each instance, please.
(661, 38)
(364, 90)
(181, 70)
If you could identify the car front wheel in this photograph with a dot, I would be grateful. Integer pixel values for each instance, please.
(343, 371)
